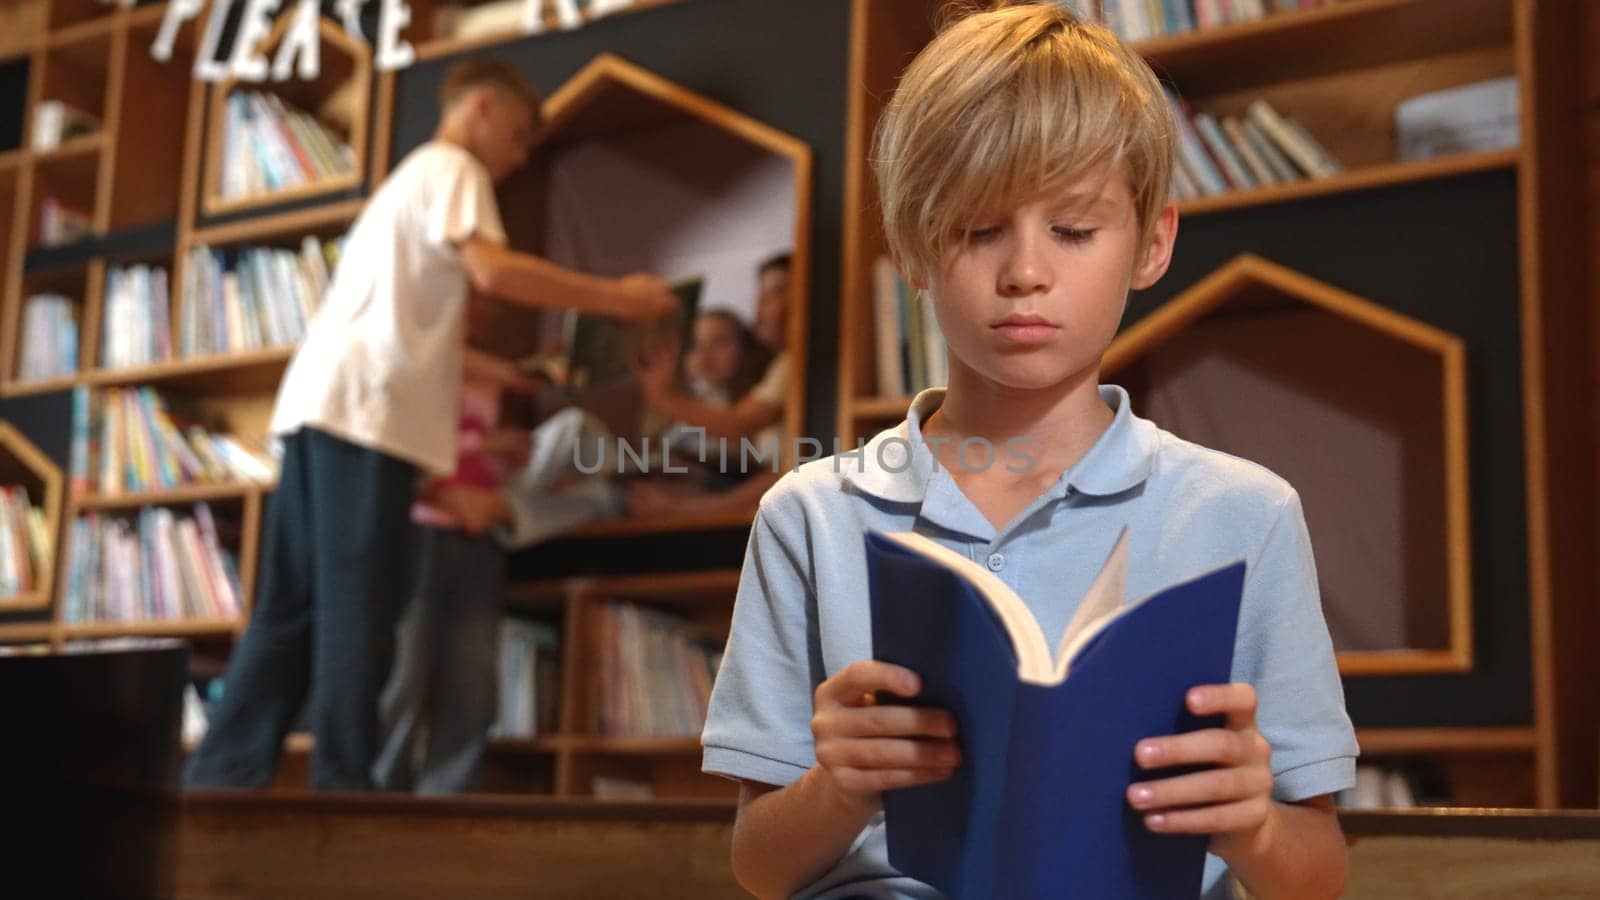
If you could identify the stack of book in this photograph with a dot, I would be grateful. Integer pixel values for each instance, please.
(1143, 20)
(49, 338)
(24, 543)
(137, 318)
(61, 223)
(126, 439)
(911, 352)
(655, 675)
(158, 567)
(269, 146)
(1238, 153)
(263, 298)
(530, 679)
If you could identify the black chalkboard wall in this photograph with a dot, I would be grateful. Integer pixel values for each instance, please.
(1444, 252)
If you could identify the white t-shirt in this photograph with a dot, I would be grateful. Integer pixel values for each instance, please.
(381, 362)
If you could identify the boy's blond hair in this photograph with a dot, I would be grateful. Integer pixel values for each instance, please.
(1004, 104)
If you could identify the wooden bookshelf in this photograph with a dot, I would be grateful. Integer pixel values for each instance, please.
(1340, 70)
(346, 65)
(23, 464)
(193, 493)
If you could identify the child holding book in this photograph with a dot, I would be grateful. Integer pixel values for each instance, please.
(1023, 166)
(368, 403)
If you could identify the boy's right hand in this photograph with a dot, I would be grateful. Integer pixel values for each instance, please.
(864, 748)
(647, 296)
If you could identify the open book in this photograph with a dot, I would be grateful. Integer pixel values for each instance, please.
(1038, 806)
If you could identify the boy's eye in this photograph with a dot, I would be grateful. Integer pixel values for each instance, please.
(1075, 235)
(978, 235)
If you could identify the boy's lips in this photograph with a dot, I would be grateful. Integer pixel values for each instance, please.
(1025, 329)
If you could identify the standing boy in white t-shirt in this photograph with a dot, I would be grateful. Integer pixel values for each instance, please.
(368, 404)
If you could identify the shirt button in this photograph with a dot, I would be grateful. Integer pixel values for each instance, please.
(996, 562)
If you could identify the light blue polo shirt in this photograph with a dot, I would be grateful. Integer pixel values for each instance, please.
(802, 611)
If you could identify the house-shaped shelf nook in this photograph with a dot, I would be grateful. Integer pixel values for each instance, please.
(29, 568)
(316, 127)
(1363, 410)
(633, 173)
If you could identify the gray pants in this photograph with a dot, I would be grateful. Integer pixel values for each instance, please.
(441, 696)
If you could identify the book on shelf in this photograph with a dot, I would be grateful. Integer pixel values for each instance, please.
(1470, 118)
(130, 439)
(49, 338)
(61, 223)
(655, 672)
(24, 543)
(1143, 20)
(1045, 729)
(269, 145)
(909, 347)
(156, 565)
(138, 321)
(249, 298)
(1219, 154)
(530, 679)
(55, 122)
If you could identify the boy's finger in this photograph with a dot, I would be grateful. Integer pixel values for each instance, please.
(1238, 816)
(1202, 788)
(1237, 702)
(889, 753)
(1216, 746)
(854, 685)
(898, 721)
(876, 781)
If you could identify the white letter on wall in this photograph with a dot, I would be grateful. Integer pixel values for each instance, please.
(206, 67)
(598, 8)
(301, 40)
(178, 12)
(247, 64)
(394, 53)
(350, 13)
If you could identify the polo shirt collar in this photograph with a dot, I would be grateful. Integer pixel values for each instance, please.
(896, 465)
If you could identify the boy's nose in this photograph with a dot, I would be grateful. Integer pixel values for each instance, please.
(1025, 271)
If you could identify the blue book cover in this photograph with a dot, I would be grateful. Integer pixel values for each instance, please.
(1038, 806)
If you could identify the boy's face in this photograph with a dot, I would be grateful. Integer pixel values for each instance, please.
(1031, 296)
(714, 356)
(502, 132)
(770, 305)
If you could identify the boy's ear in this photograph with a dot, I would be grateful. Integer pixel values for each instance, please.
(1158, 255)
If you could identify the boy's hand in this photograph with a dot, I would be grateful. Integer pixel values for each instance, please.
(648, 297)
(476, 509)
(512, 445)
(1232, 802)
(865, 749)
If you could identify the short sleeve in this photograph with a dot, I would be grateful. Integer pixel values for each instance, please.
(758, 726)
(773, 387)
(462, 204)
(1284, 651)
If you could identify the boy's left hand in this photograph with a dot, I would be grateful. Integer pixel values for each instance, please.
(1232, 802)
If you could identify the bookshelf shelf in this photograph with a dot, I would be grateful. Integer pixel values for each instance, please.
(32, 386)
(172, 496)
(151, 628)
(294, 224)
(10, 160)
(26, 632)
(1365, 178)
(1294, 45)
(1403, 741)
(72, 152)
(670, 523)
(617, 745)
(242, 372)
(83, 32)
